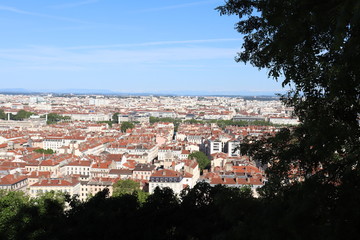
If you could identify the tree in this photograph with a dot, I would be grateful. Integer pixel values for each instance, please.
(10, 205)
(158, 207)
(201, 159)
(115, 117)
(45, 151)
(54, 118)
(126, 186)
(2, 114)
(116, 214)
(126, 125)
(21, 115)
(22, 218)
(314, 46)
(131, 187)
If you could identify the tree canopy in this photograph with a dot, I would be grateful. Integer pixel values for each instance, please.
(128, 186)
(126, 125)
(115, 117)
(2, 114)
(21, 115)
(203, 212)
(45, 151)
(314, 47)
(54, 118)
(201, 159)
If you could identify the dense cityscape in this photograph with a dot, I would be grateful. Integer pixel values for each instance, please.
(82, 144)
(156, 120)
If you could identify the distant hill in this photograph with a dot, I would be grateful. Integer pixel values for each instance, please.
(16, 90)
(160, 93)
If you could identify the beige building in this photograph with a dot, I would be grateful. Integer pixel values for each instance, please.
(72, 187)
(95, 185)
(143, 171)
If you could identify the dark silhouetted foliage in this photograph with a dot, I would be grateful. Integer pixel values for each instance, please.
(304, 211)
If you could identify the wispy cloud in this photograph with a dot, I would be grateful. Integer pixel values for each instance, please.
(47, 57)
(73, 4)
(19, 11)
(158, 43)
(175, 6)
(14, 10)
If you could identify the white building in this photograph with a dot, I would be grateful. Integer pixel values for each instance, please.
(76, 167)
(166, 178)
(233, 148)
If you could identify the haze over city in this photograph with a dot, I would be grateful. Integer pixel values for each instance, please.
(124, 46)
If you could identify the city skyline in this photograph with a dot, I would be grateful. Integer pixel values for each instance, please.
(157, 47)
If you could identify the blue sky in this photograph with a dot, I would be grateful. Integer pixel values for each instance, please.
(124, 46)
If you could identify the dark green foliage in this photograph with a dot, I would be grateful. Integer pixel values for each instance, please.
(220, 123)
(304, 211)
(102, 217)
(115, 118)
(22, 218)
(224, 123)
(11, 204)
(201, 158)
(314, 46)
(162, 209)
(54, 118)
(126, 125)
(2, 114)
(45, 151)
(128, 186)
(21, 115)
